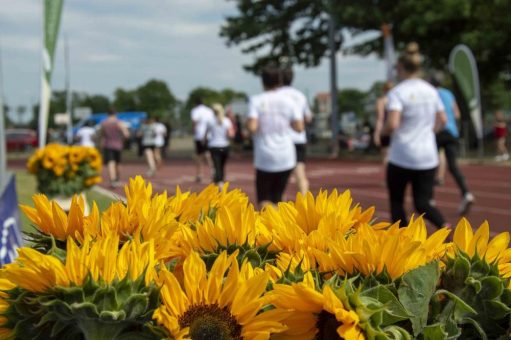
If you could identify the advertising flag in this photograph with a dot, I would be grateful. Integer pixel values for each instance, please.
(9, 222)
(52, 14)
(463, 66)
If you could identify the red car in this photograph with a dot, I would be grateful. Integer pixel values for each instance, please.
(20, 139)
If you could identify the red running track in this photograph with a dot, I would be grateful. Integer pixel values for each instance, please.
(491, 185)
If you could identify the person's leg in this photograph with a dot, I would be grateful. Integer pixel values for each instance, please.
(149, 154)
(157, 157)
(278, 185)
(450, 156)
(198, 161)
(225, 156)
(440, 173)
(263, 188)
(397, 179)
(112, 171)
(301, 178)
(423, 182)
(216, 156)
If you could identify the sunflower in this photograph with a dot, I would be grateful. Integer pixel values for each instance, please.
(313, 314)
(209, 306)
(92, 181)
(101, 259)
(479, 243)
(5, 285)
(50, 219)
(393, 251)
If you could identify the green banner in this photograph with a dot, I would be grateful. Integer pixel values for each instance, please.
(464, 69)
(52, 14)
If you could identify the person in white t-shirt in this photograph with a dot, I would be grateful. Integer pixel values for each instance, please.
(201, 114)
(299, 138)
(160, 132)
(270, 116)
(148, 134)
(218, 131)
(86, 135)
(415, 112)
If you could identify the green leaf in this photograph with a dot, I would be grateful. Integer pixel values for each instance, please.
(434, 332)
(496, 310)
(415, 292)
(491, 287)
(477, 327)
(393, 310)
(461, 307)
(106, 298)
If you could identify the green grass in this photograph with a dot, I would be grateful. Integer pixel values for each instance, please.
(26, 187)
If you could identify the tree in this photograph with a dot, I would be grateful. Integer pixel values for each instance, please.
(156, 98)
(97, 102)
(125, 100)
(298, 30)
(352, 100)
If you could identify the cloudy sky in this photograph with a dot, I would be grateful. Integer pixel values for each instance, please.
(123, 43)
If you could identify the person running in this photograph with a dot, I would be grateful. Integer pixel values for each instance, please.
(201, 114)
(148, 134)
(269, 117)
(86, 134)
(500, 129)
(299, 138)
(415, 111)
(113, 133)
(218, 132)
(381, 140)
(447, 139)
(160, 131)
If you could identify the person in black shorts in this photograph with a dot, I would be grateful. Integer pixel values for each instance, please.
(201, 115)
(270, 116)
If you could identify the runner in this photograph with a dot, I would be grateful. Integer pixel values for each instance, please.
(415, 110)
(148, 134)
(447, 139)
(270, 116)
(299, 138)
(219, 130)
(201, 114)
(160, 131)
(86, 135)
(500, 137)
(113, 133)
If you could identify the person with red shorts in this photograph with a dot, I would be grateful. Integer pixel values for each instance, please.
(500, 131)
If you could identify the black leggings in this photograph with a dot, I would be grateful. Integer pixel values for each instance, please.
(219, 157)
(422, 187)
(450, 144)
(271, 185)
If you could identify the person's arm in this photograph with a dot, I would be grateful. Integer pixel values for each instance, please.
(252, 125)
(393, 122)
(124, 130)
(456, 110)
(230, 130)
(297, 125)
(440, 120)
(379, 125)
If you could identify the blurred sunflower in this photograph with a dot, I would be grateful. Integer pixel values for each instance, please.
(312, 314)
(393, 251)
(495, 250)
(209, 306)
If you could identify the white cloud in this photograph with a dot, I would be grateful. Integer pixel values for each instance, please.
(123, 43)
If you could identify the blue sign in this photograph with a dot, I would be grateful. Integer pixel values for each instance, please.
(9, 224)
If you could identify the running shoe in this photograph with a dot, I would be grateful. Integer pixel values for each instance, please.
(466, 203)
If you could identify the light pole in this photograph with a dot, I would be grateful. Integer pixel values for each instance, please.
(333, 82)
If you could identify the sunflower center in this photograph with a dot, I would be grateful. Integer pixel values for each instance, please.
(208, 322)
(327, 326)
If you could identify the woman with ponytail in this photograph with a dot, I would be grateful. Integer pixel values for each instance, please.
(415, 113)
(218, 132)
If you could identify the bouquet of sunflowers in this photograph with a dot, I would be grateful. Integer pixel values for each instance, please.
(209, 266)
(65, 170)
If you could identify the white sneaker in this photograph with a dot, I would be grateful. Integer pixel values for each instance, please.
(504, 157)
(466, 203)
(498, 158)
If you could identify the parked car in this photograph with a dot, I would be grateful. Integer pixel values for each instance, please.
(20, 139)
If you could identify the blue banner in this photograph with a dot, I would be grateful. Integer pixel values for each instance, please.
(9, 223)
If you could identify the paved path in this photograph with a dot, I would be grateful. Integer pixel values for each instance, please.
(491, 185)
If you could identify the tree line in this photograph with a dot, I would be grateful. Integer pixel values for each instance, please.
(154, 97)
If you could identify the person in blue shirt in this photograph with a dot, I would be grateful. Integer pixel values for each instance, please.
(447, 139)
